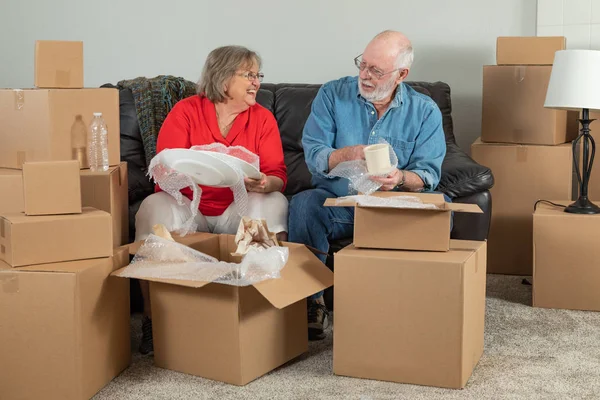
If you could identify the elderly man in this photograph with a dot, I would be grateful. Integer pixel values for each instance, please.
(348, 114)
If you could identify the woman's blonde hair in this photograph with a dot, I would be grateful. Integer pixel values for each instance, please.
(220, 66)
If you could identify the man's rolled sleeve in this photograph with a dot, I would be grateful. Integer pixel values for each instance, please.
(318, 135)
(430, 150)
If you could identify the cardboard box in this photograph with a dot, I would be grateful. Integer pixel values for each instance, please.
(11, 187)
(65, 328)
(52, 188)
(566, 271)
(386, 227)
(528, 50)
(234, 334)
(58, 64)
(52, 124)
(410, 317)
(30, 240)
(513, 107)
(523, 174)
(107, 191)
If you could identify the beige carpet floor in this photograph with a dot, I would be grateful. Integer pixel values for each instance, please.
(530, 353)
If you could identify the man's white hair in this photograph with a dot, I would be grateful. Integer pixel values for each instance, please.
(405, 57)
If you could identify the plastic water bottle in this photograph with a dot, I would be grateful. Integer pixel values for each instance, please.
(79, 141)
(98, 144)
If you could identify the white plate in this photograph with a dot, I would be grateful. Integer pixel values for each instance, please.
(248, 169)
(203, 168)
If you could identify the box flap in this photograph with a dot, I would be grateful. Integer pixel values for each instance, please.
(21, 218)
(303, 275)
(464, 207)
(68, 266)
(178, 282)
(436, 198)
(187, 240)
(431, 198)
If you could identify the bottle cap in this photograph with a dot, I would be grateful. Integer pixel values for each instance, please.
(97, 114)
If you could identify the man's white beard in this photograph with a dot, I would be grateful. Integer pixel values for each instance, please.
(380, 93)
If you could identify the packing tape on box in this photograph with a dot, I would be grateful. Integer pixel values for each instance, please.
(9, 282)
(521, 154)
(518, 136)
(62, 78)
(21, 158)
(19, 99)
(520, 72)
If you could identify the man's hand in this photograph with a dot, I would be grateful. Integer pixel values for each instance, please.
(354, 152)
(349, 153)
(256, 185)
(391, 181)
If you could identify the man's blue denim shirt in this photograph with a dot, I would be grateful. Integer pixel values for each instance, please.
(341, 117)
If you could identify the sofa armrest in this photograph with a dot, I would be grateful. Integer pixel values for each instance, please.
(461, 175)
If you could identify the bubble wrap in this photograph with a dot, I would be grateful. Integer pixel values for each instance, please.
(165, 259)
(240, 195)
(356, 172)
(393, 202)
(171, 181)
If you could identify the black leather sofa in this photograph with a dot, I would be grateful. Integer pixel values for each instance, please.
(462, 179)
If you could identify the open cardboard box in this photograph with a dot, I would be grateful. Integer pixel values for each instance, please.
(228, 333)
(395, 228)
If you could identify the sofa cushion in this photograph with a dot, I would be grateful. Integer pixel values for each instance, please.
(292, 107)
(440, 93)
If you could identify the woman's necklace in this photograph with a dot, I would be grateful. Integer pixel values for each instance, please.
(224, 129)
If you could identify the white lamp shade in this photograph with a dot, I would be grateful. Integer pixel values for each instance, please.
(574, 81)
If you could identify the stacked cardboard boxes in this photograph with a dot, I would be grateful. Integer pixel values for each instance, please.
(409, 302)
(526, 146)
(65, 321)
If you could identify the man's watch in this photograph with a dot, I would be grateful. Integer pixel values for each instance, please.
(399, 185)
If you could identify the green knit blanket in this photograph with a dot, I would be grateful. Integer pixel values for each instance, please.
(154, 98)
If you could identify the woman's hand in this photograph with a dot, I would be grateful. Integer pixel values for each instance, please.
(257, 185)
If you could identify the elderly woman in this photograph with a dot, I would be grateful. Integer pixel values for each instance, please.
(224, 111)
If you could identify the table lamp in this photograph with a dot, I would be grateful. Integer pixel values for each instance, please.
(575, 85)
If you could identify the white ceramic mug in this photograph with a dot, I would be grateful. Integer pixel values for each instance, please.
(378, 158)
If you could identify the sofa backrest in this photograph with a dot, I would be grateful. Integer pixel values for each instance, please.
(291, 105)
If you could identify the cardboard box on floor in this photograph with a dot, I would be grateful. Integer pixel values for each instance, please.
(65, 330)
(410, 316)
(528, 50)
(380, 227)
(58, 64)
(523, 174)
(52, 124)
(52, 187)
(107, 191)
(11, 187)
(566, 269)
(513, 107)
(29, 240)
(228, 333)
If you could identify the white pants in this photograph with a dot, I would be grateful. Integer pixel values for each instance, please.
(162, 208)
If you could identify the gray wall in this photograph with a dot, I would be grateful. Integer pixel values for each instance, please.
(306, 41)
